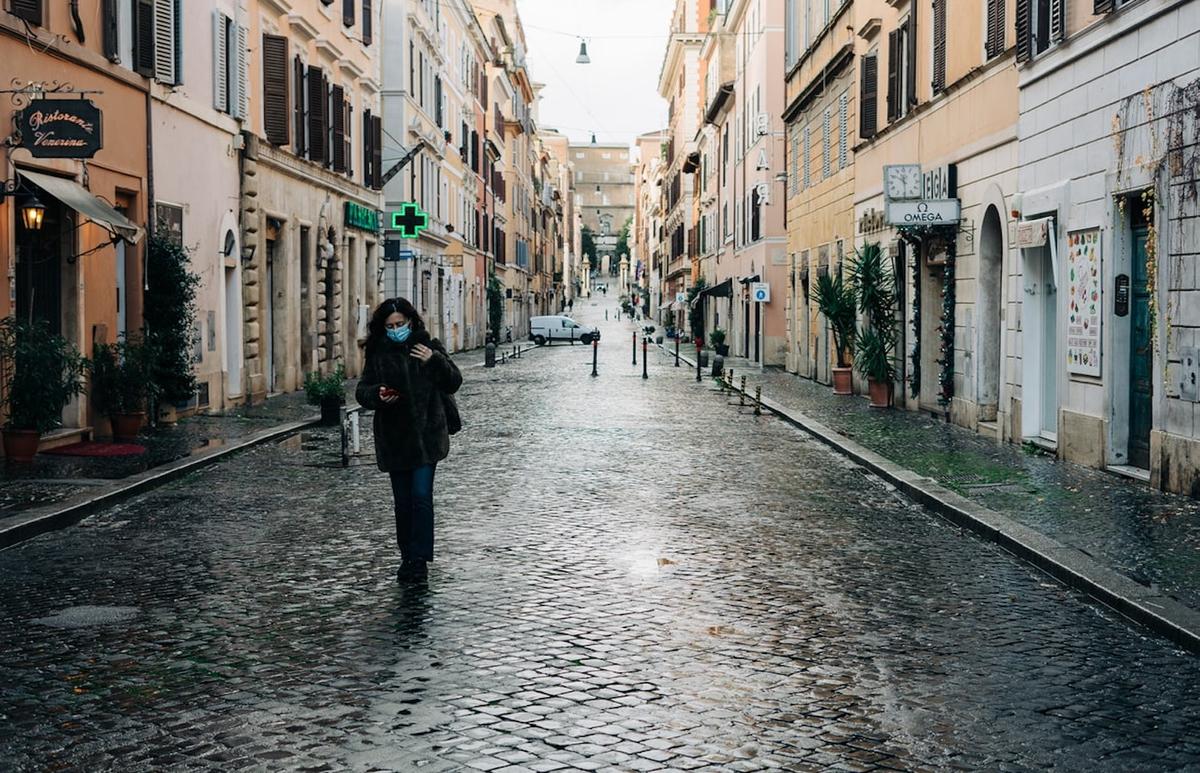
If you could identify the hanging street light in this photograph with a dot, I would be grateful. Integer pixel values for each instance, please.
(32, 214)
(583, 57)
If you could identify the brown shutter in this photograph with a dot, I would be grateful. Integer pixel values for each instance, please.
(366, 23)
(143, 38)
(348, 12)
(339, 129)
(1024, 31)
(911, 74)
(377, 151)
(316, 115)
(111, 19)
(868, 110)
(1058, 25)
(275, 89)
(939, 45)
(29, 10)
(1102, 6)
(995, 28)
(893, 75)
(298, 117)
(368, 167)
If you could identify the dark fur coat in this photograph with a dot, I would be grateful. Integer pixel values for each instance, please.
(411, 432)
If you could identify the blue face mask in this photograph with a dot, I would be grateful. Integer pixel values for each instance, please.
(400, 334)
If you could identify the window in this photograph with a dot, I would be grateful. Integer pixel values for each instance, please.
(806, 157)
(29, 10)
(939, 45)
(794, 167)
(158, 41)
(275, 89)
(791, 54)
(230, 67)
(902, 69)
(337, 114)
(366, 22)
(348, 12)
(318, 122)
(755, 215)
(1040, 23)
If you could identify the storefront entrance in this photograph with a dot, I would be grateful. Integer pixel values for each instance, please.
(1141, 373)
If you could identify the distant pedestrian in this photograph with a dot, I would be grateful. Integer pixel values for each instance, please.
(407, 381)
(571, 304)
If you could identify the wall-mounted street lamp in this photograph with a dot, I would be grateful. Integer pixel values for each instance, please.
(32, 213)
(583, 57)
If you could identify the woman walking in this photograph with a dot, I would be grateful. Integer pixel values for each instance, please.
(405, 381)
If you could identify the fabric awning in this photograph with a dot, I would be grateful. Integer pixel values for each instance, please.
(78, 198)
(721, 290)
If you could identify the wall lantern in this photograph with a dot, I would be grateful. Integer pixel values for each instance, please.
(32, 213)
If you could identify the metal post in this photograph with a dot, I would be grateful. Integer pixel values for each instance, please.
(677, 349)
(606, 315)
(721, 381)
(698, 378)
(645, 358)
(635, 347)
(742, 393)
(595, 349)
(729, 377)
(758, 401)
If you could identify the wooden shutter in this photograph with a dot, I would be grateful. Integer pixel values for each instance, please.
(366, 22)
(377, 151)
(221, 61)
(995, 28)
(910, 87)
(1024, 31)
(348, 12)
(143, 37)
(939, 45)
(368, 152)
(164, 41)
(1058, 25)
(299, 119)
(868, 96)
(112, 31)
(316, 115)
(339, 129)
(29, 10)
(1103, 6)
(275, 89)
(893, 93)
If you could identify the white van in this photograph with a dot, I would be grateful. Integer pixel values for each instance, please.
(546, 330)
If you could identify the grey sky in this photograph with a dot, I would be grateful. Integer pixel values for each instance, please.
(617, 94)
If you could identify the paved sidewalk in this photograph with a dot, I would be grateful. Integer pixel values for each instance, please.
(62, 480)
(1150, 537)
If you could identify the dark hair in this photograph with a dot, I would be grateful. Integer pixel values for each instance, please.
(377, 327)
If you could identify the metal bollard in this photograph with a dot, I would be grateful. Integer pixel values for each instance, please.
(758, 401)
(677, 350)
(635, 347)
(645, 358)
(742, 393)
(595, 350)
(698, 377)
(721, 380)
(489, 355)
(729, 377)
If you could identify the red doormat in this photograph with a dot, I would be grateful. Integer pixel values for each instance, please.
(93, 448)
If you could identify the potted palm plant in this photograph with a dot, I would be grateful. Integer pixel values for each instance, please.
(329, 392)
(717, 339)
(835, 300)
(40, 372)
(122, 383)
(874, 289)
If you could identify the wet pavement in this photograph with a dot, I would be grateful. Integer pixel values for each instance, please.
(1149, 536)
(632, 575)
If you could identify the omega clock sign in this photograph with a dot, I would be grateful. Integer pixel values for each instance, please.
(61, 128)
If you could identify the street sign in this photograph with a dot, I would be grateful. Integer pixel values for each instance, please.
(363, 218)
(1032, 233)
(924, 212)
(681, 297)
(392, 252)
(760, 292)
(410, 220)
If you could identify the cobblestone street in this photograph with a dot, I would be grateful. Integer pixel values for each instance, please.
(631, 575)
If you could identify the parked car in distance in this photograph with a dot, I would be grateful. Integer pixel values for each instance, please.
(547, 330)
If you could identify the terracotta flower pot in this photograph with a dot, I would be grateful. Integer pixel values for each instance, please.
(881, 393)
(21, 445)
(843, 381)
(125, 426)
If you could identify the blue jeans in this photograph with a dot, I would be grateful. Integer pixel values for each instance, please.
(413, 490)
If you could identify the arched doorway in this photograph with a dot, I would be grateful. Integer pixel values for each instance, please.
(988, 314)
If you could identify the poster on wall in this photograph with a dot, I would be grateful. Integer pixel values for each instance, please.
(1084, 302)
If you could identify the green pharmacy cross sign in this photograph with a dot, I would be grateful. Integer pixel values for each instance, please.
(410, 220)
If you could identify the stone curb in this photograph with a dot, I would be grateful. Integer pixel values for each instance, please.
(1070, 566)
(53, 517)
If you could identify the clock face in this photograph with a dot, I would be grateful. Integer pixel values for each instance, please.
(903, 181)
